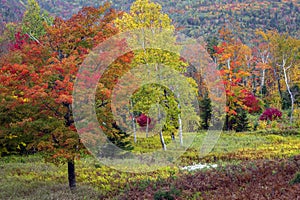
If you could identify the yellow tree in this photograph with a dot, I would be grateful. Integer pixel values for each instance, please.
(151, 26)
(286, 56)
(285, 62)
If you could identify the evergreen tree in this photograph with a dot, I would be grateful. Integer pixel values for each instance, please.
(241, 122)
(205, 111)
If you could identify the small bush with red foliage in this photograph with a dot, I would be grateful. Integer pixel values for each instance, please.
(251, 102)
(20, 40)
(271, 114)
(142, 121)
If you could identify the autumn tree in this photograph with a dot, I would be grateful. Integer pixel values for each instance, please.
(233, 57)
(284, 65)
(285, 53)
(43, 72)
(151, 27)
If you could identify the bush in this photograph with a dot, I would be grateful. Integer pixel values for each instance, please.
(168, 195)
(296, 179)
(271, 114)
(278, 132)
(252, 103)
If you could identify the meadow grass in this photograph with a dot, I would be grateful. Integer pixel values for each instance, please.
(29, 177)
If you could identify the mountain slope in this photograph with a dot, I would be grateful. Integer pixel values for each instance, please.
(193, 17)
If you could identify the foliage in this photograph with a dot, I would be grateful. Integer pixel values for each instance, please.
(252, 150)
(296, 179)
(41, 73)
(195, 18)
(286, 100)
(241, 123)
(155, 29)
(252, 103)
(166, 195)
(33, 20)
(205, 111)
(233, 59)
(249, 179)
(271, 114)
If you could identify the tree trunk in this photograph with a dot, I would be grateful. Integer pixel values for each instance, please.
(71, 174)
(262, 82)
(134, 130)
(133, 124)
(162, 141)
(290, 93)
(147, 127)
(180, 123)
(278, 83)
(180, 130)
(163, 144)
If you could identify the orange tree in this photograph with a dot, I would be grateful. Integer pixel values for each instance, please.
(40, 73)
(235, 66)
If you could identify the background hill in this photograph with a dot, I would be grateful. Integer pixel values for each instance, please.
(192, 17)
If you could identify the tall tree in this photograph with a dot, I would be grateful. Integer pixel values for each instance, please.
(152, 26)
(232, 56)
(286, 52)
(46, 81)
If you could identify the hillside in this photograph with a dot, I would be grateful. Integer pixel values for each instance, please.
(194, 18)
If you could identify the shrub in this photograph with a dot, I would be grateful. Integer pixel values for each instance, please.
(271, 114)
(296, 179)
(252, 103)
(168, 195)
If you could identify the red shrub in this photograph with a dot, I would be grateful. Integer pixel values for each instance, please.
(142, 120)
(251, 102)
(271, 114)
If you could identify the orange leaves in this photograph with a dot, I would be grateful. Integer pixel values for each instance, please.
(261, 65)
(64, 99)
(219, 50)
(42, 75)
(235, 61)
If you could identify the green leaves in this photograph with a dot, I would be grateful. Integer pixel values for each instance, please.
(33, 20)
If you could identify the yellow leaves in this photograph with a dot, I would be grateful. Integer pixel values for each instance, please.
(261, 33)
(225, 57)
(144, 14)
(11, 136)
(21, 144)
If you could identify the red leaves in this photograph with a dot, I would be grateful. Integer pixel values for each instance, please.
(251, 102)
(42, 75)
(20, 40)
(271, 114)
(142, 120)
(218, 50)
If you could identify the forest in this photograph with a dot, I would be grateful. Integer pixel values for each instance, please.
(149, 99)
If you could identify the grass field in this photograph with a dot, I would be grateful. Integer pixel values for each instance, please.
(29, 177)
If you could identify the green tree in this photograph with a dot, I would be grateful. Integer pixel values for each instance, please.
(33, 20)
(151, 27)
